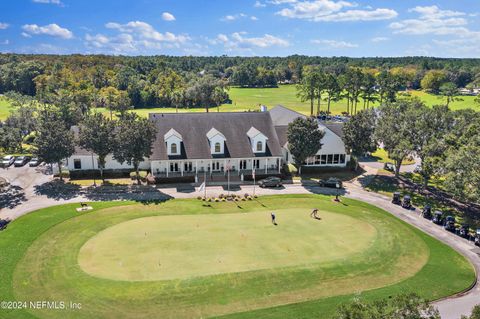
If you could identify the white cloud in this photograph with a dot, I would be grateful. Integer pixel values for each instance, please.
(167, 16)
(331, 11)
(26, 35)
(57, 2)
(5, 42)
(379, 39)
(52, 29)
(145, 31)
(333, 44)
(433, 20)
(134, 36)
(3, 25)
(239, 41)
(259, 4)
(233, 17)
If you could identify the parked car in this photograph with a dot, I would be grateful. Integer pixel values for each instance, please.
(332, 182)
(407, 202)
(477, 237)
(437, 217)
(397, 200)
(389, 167)
(21, 160)
(8, 160)
(34, 162)
(450, 223)
(464, 231)
(427, 212)
(4, 223)
(270, 182)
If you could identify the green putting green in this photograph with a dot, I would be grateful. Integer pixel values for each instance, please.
(188, 246)
(182, 259)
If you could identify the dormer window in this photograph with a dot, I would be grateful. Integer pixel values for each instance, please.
(216, 141)
(258, 140)
(173, 141)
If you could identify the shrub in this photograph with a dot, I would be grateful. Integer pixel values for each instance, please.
(199, 197)
(246, 195)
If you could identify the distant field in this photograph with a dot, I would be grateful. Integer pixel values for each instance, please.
(244, 99)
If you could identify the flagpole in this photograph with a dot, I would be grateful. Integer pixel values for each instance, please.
(205, 181)
(254, 182)
(228, 182)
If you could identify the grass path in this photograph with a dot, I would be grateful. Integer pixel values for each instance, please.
(40, 260)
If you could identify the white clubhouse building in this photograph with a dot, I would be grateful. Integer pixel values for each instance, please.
(197, 144)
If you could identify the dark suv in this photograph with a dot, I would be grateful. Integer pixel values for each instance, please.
(270, 182)
(331, 182)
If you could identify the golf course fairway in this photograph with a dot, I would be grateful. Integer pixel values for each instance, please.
(189, 259)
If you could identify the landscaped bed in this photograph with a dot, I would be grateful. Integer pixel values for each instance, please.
(187, 258)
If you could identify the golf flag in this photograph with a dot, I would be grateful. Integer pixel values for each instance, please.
(202, 187)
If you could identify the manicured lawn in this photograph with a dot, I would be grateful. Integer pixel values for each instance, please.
(382, 156)
(183, 259)
(4, 108)
(430, 100)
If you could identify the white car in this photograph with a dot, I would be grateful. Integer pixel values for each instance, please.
(8, 160)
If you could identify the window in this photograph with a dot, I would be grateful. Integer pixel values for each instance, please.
(243, 164)
(342, 158)
(173, 148)
(173, 167)
(317, 159)
(188, 167)
(329, 159)
(259, 146)
(323, 160)
(217, 148)
(77, 164)
(335, 159)
(256, 164)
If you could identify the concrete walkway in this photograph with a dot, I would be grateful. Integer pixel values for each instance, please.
(450, 308)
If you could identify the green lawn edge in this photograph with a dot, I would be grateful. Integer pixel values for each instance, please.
(455, 272)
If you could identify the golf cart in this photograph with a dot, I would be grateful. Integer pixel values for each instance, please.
(427, 212)
(396, 198)
(450, 223)
(477, 237)
(464, 231)
(437, 217)
(407, 202)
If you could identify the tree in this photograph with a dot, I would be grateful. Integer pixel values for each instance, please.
(406, 306)
(10, 138)
(475, 313)
(114, 100)
(306, 89)
(359, 133)
(388, 86)
(432, 80)
(430, 127)
(477, 99)
(368, 91)
(449, 90)
(55, 141)
(133, 140)
(97, 136)
(394, 131)
(332, 89)
(304, 139)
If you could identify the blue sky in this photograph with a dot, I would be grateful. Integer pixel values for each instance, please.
(442, 28)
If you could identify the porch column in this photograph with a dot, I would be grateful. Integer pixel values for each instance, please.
(181, 168)
(168, 167)
(211, 167)
(279, 161)
(266, 165)
(238, 167)
(224, 166)
(196, 167)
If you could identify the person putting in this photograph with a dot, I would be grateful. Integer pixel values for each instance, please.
(273, 218)
(314, 213)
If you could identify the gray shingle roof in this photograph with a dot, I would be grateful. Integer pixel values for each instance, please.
(283, 116)
(194, 128)
(336, 128)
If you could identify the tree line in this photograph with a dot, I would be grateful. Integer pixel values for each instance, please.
(447, 142)
(116, 82)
